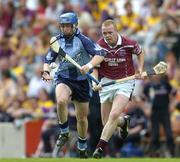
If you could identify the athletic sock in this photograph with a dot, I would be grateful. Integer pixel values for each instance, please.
(82, 143)
(102, 144)
(64, 127)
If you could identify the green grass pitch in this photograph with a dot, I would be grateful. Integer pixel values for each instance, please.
(91, 160)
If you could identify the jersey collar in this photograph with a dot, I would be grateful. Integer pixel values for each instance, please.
(119, 42)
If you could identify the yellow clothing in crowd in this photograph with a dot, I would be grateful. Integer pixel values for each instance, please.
(151, 22)
(17, 71)
(44, 107)
(101, 5)
(129, 22)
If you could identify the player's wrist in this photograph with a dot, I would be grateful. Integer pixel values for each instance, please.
(94, 84)
(89, 65)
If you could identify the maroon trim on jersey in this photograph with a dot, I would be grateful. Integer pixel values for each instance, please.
(118, 62)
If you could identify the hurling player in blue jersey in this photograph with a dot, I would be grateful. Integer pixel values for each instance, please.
(71, 84)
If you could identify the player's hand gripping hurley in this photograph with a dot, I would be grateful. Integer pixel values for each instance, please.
(160, 68)
(56, 48)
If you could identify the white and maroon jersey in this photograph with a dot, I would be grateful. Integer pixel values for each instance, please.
(118, 62)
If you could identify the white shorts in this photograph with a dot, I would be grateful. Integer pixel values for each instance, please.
(108, 93)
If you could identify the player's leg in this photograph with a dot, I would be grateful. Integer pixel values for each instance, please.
(63, 93)
(119, 103)
(106, 98)
(125, 89)
(81, 97)
(105, 110)
(82, 109)
(123, 122)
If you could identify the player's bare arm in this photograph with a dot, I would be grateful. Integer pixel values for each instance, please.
(140, 58)
(96, 60)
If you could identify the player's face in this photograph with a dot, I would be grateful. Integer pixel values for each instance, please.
(110, 34)
(67, 29)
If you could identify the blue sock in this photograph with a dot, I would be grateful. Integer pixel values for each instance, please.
(64, 127)
(82, 143)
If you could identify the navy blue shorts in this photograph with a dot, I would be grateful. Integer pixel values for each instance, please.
(80, 89)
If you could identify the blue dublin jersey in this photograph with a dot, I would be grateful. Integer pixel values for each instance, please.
(80, 48)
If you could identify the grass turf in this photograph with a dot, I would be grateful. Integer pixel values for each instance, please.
(91, 160)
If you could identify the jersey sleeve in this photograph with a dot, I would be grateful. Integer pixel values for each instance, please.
(91, 47)
(137, 49)
(51, 56)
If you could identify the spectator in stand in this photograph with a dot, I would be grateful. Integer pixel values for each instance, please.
(175, 119)
(52, 11)
(45, 104)
(6, 16)
(85, 19)
(8, 90)
(172, 7)
(130, 22)
(16, 68)
(5, 50)
(36, 83)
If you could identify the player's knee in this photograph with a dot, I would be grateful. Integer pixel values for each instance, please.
(81, 120)
(62, 101)
(114, 115)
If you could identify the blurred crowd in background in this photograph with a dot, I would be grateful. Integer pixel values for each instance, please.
(26, 27)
